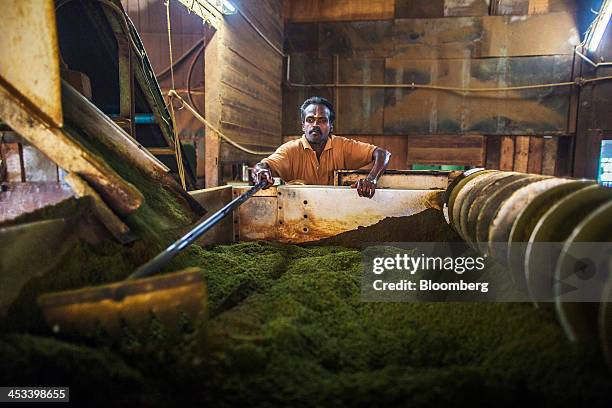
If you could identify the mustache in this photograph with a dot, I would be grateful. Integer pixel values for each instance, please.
(317, 130)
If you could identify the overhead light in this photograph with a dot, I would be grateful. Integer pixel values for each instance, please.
(599, 28)
(210, 11)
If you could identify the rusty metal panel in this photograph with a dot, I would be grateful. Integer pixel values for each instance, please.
(29, 56)
(359, 110)
(308, 213)
(361, 39)
(398, 179)
(257, 219)
(213, 199)
(514, 35)
(521, 112)
(409, 110)
(437, 38)
(529, 112)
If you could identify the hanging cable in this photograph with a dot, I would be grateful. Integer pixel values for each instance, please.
(177, 141)
(180, 59)
(173, 94)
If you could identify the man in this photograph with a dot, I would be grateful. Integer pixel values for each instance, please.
(313, 158)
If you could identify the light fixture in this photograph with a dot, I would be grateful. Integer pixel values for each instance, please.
(210, 11)
(600, 25)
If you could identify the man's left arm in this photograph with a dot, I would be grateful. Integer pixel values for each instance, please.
(367, 187)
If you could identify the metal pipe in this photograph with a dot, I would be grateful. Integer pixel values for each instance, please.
(164, 257)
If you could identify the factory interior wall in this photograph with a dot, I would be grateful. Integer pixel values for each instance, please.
(241, 95)
(243, 86)
(472, 44)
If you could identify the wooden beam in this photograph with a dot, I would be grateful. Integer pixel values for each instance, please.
(493, 151)
(213, 58)
(338, 10)
(521, 153)
(86, 116)
(506, 159)
(549, 158)
(67, 153)
(536, 149)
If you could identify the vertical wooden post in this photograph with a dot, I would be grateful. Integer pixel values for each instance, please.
(212, 86)
(506, 160)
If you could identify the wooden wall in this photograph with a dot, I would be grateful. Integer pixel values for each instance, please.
(243, 85)
(459, 43)
(149, 17)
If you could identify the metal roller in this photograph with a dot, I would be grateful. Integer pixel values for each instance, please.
(457, 193)
(555, 226)
(475, 208)
(527, 219)
(508, 215)
(579, 318)
(492, 206)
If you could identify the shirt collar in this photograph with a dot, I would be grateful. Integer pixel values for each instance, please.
(306, 145)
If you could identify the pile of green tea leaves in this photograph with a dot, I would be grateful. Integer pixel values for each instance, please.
(287, 326)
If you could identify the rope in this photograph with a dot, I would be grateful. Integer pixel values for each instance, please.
(578, 82)
(177, 142)
(172, 94)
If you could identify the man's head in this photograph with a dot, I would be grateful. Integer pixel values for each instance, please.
(317, 119)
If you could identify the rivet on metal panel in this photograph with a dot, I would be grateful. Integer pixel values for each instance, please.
(305, 229)
(305, 215)
(280, 207)
(305, 202)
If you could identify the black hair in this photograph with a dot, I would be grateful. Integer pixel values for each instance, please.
(317, 100)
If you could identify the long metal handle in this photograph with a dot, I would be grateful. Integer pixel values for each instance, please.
(164, 257)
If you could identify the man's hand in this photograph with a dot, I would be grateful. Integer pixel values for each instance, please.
(261, 172)
(365, 187)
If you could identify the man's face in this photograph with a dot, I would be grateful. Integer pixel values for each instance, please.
(316, 125)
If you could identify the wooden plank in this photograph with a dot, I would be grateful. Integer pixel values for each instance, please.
(549, 157)
(212, 55)
(419, 8)
(521, 153)
(506, 159)
(457, 8)
(536, 149)
(13, 160)
(360, 111)
(446, 150)
(493, 151)
(337, 10)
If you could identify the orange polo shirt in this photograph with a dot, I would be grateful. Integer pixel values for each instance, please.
(296, 160)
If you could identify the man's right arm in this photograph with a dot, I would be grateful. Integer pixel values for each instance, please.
(261, 172)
